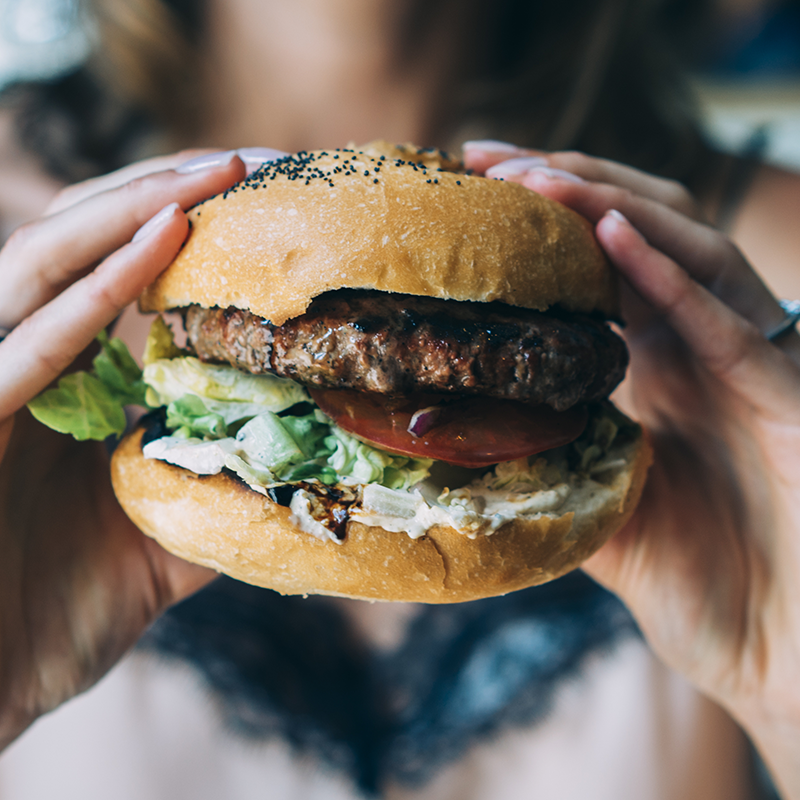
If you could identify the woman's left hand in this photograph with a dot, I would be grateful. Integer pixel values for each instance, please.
(710, 562)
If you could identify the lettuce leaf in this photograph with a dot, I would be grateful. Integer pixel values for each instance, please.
(190, 415)
(270, 450)
(81, 405)
(116, 369)
(226, 391)
(362, 463)
(89, 405)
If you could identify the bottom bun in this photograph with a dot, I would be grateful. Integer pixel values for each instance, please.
(217, 521)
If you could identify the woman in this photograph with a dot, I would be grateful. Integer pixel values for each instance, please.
(707, 566)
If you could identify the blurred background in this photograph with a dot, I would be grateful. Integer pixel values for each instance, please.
(746, 78)
(743, 55)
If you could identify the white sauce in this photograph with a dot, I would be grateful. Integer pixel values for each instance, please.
(472, 511)
(301, 516)
(204, 458)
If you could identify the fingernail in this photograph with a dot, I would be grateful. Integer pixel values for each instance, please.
(515, 167)
(254, 157)
(156, 222)
(557, 174)
(207, 161)
(491, 146)
(620, 217)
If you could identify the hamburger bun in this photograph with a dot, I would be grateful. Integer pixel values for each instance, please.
(282, 237)
(219, 522)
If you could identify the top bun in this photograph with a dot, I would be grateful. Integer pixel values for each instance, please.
(395, 219)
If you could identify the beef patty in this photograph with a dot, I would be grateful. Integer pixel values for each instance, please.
(399, 344)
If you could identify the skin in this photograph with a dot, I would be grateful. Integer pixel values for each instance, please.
(79, 583)
(708, 565)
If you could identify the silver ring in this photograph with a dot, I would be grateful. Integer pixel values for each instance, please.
(792, 310)
(4, 332)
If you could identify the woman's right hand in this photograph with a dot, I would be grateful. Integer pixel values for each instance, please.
(78, 582)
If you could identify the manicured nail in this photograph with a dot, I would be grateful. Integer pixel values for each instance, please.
(491, 146)
(209, 160)
(618, 216)
(254, 157)
(558, 174)
(156, 222)
(515, 167)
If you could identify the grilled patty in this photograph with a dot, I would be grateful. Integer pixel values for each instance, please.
(399, 344)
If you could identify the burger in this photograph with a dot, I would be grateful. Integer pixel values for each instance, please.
(393, 384)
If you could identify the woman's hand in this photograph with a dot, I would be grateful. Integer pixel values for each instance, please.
(710, 563)
(78, 582)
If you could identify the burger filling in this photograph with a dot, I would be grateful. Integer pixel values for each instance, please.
(400, 412)
(329, 465)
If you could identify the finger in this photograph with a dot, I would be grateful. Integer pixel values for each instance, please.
(253, 157)
(726, 344)
(48, 341)
(480, 155)
(513, 163)
(74, 194)
(706, 254)
(42, 258)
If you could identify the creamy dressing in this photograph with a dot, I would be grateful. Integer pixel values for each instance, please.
(473, 510)
(209, 458)
(303, 518)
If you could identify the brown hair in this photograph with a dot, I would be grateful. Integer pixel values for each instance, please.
(601, 76)
(595, 75)
(146, 58)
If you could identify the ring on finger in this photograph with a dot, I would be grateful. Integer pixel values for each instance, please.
(792, 310)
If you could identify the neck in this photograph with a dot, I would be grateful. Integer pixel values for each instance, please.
(322, 73)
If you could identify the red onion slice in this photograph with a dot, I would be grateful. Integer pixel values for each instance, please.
(423, 420)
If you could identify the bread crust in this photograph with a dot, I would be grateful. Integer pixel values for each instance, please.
(299, 228)
(219, 522)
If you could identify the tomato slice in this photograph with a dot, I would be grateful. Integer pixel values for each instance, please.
(469, 432)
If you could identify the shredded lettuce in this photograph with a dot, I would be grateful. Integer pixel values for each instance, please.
(190, 416)
(270, 450)
(90, 405)
(228, 392)
(587, 455)
(207, 402)
(362, 463)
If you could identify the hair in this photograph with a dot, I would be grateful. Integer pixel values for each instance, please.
(135, 95)
(601, 76)
(609, 82)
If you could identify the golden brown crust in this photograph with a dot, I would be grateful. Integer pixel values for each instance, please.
(284, 236)
(220, 523)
